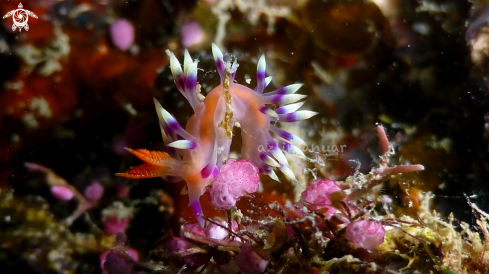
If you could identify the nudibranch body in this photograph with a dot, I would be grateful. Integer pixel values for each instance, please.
(196, 153)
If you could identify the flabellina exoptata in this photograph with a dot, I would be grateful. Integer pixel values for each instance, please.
(196, 153)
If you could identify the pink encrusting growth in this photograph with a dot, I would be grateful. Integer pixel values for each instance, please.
(236, 178)
(366, 234)
(196, 153)
(317, 195)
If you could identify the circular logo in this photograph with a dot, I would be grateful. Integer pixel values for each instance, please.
(20, 17)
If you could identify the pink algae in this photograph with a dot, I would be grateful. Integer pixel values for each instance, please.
(366, 234)
(317, 195)
(235, 179)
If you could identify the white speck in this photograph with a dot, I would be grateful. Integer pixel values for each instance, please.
(260, 188)
(421, 28)
(134, 49)
(41, 106)
(14, 85)
(29, 120)
(247, 79)
(63, 11)
(128, 107)
(15, 138)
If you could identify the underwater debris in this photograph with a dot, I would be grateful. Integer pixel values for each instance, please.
(47, 59)
(253, 9)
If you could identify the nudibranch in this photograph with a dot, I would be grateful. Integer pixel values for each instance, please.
(196, 153)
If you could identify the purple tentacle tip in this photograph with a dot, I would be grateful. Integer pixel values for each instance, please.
(174, 125)
(215, 172)
(190, 82)
(287, 135)
(277, 99)
(207, 171)
(199, 214)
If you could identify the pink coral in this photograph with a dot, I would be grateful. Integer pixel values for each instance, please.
(235, 180)
(366, 234)
(318, 194)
